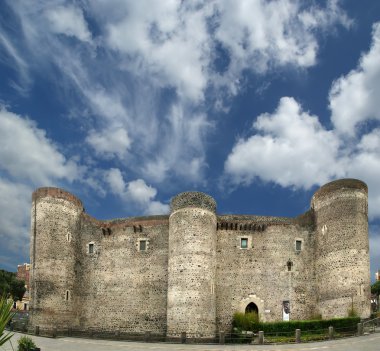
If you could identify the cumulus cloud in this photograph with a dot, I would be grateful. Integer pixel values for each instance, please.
(136, 192)
(354, 98)
(68, 20)
(28, 159)
(149, 107)
(15, 199)
(109, 142)
(173, 41)
(27, 154)
(290, 147)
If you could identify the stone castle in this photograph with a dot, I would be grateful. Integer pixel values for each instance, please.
(190, 271)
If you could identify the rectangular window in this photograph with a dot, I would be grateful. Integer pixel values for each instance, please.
(244, 243)
(142, 245)
(298, 245)
(90, 248)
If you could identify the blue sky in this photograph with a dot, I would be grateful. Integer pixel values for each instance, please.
(127, 103)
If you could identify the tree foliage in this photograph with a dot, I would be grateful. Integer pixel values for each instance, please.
(375, 288)
(11, 286)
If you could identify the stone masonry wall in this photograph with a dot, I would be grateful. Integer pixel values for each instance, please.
(191, 266)
(54, 233)
(189, 272)
(260, 274)
(342, 248)
(124, 288)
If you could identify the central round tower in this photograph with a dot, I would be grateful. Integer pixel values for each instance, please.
(191, 266)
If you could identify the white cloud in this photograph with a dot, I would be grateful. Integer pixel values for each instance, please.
(115, 180)
(28, 159)
(180, 147)
(148, 109)
(70, 21)
(27, 154)
(109, 142)
(290, 147)
(13, 58)
(173, 43)
(139, 191)
(262, 35)
(354, 98)
(15, 203)
(135, 192)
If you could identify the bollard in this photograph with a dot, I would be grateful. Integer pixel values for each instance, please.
(147, 336)
(331, 332)
(37, 330)
(360, 329)
(261, 337)
(298, 335)
(183, 338)
(54, 332)
(222, 337)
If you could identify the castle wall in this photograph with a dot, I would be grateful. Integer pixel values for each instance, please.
(125, 288)
(190, 271)
(260, 274)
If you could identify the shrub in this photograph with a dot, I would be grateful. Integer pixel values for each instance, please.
(5, 317)
(26, 343)
(245, 321)
(240, 322)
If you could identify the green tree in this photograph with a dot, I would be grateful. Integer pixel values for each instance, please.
(375, 288)
(5, 317)
(10, 285)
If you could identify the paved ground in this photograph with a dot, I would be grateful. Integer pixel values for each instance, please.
(363, 343)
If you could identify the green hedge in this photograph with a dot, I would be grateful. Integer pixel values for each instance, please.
(241, 323)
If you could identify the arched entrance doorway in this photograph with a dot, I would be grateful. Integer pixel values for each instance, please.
(252, 308)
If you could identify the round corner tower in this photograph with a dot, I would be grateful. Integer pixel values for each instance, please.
(55, 222)
(191, 266)
(342, 248)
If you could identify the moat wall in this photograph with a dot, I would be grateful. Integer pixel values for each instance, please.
(189, 272)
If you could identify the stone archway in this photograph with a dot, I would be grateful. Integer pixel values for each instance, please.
(254, 302)
(252, 307)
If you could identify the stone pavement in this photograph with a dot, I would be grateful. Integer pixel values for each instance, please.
(363, 343)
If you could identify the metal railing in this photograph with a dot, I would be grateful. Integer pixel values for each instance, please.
(371, 325)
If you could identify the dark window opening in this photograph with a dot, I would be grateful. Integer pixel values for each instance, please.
(289, 265)
(142, 245)
(90, 248)
(298, 245)
(251, 308)
(67, 295)
(244, 243)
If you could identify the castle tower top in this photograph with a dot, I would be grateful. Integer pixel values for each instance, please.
(57, 193)
(193, 199)
(341, 184)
